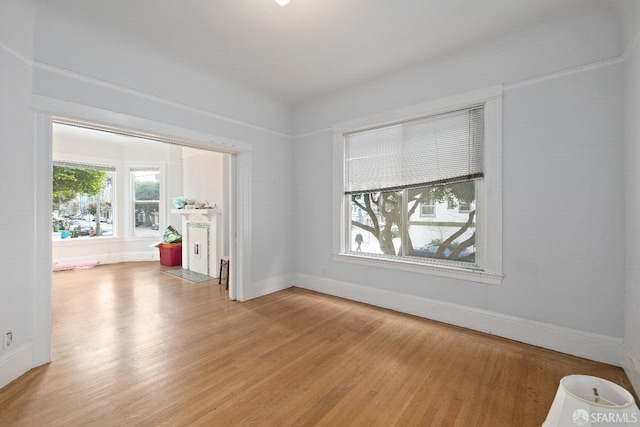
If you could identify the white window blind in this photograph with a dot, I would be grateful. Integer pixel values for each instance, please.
(433, 150)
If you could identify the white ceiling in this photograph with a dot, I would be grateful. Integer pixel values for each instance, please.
(313, 47)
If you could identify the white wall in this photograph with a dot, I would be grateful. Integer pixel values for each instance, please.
(48, 59)
(562, 195)
(631, 24)
(203, 176)
(116, 74)
(76, 43)
(113, 73)
(205, 181)
(19, 257)
(573, 41)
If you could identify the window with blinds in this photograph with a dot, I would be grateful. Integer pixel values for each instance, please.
(433, 150)
(392, 172)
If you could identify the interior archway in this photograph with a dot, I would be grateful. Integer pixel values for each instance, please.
(239, 173)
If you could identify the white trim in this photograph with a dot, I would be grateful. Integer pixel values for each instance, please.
(507, 86)
(433, 107)
(489, 196)
(269, 286)
(340, 209)
(17, 54)
(240, 260)
(17, 362)
(548, 76)
(563, 73)
(230, 205)
(92, 115)
(34, 63)
(632, 368)
(312, 133)
(405, 264)
(45, 108)
(143, 95)
(632, 44)
(591, 346)
(43, 247)
(113, 258)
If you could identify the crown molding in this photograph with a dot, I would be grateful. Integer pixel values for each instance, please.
(53, 69)
(161, 100)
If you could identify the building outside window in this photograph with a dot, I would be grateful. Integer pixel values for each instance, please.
(428, 209)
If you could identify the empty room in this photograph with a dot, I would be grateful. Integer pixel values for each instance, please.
(410, 212)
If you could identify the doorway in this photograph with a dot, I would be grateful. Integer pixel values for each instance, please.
(113, 194)
(238, 188)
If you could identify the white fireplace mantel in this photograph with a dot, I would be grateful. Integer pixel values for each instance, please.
(197, 214)
(199, 239)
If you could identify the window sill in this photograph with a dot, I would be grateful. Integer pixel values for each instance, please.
(102, 240)
(423, 268)
(83, 239)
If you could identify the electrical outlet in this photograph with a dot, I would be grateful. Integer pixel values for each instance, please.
(8, 339)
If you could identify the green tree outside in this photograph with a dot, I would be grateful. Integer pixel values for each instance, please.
(388, 205)
(70, 182)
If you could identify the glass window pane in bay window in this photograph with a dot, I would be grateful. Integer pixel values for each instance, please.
(146, 213)
(82, 200)
(146, 219)
(147, 184)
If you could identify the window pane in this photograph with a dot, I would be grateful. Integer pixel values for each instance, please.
(82, 201)
(146, 219)
(450, 233)
(376, 220)
(146, 213)
(147, 184)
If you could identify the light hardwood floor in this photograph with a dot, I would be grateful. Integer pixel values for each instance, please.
(134, 345)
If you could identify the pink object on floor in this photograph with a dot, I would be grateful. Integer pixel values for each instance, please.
(61, 266)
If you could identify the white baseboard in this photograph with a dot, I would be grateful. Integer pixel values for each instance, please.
(632, 368)
(114, 257)
(268, 286)
(140, 256)
(15, 363)
(591, 346)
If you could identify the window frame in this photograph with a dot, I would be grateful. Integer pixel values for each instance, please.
(131, 200)
(488, 268)
(431, 206)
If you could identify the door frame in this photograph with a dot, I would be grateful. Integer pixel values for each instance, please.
(45, 111)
